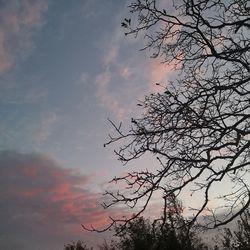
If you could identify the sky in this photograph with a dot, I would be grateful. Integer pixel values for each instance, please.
(66, 67)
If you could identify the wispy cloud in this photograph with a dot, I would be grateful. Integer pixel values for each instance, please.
(127, 75)
(124, 80)
(158, 72)
(111, 71)
(105, 96)
(37, 194)
(112, 53)
(18, 21)
(46, 125)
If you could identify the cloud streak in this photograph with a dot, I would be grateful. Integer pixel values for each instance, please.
(103, 81)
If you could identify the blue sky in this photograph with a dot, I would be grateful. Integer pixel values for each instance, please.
(65, 68)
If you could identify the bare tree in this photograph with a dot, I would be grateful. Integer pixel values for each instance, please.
(199, 128)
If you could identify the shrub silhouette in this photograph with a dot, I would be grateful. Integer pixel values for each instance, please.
(79, 245)
(239, 239)
(174, 234)
(171, 232)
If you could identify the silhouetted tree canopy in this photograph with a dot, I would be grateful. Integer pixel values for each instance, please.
(144, 234)
(141, 233)
(79, 245)
(240, 238)
(198, 129)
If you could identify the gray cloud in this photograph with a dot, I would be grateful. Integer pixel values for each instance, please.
(42, 205)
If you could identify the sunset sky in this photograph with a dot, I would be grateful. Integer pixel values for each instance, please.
(65, 68)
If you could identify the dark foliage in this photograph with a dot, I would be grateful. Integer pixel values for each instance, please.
(141, 234)
(79, 245)
(239, 239)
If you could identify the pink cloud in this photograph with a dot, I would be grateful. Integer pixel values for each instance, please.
(158, 73)
(120, 99)
(120, 84)
(60, 199)
(18, 21)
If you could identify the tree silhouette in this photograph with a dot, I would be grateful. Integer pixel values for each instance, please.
(239, 239)
(141, 233)
(199, 128)
(79, 245)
